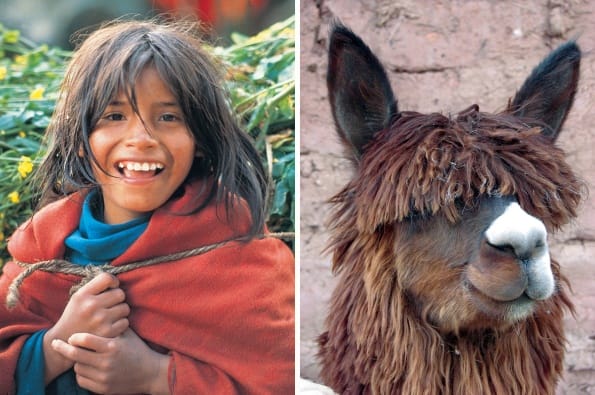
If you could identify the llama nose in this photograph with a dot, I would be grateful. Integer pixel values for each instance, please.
(518, 231)
(525, 237)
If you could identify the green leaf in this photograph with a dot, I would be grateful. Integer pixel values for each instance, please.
(11, 36)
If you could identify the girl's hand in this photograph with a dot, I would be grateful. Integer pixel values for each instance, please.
(98, 308)
(124, 364)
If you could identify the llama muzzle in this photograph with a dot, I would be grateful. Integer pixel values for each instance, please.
(513, 263)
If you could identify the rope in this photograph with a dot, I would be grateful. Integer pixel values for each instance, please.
(89, 272)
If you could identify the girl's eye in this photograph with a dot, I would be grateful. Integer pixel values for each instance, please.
(114, 117)
(168, 118)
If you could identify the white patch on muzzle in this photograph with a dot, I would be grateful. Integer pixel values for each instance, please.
(527, 236)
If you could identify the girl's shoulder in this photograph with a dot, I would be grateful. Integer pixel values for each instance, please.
(42, 236)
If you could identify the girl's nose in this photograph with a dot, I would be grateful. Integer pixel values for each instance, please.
(139, 134)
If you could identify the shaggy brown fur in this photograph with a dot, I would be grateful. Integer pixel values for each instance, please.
(402, 319)
(372, 310)
(453, 161)
(379, 345)
(438, 163)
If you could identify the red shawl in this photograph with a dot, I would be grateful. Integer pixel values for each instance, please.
(226, 317)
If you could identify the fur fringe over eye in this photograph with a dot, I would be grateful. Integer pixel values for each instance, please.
(433, 164)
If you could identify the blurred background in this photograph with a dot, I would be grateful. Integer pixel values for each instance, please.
(53, 22)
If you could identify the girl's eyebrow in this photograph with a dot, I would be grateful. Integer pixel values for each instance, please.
(117, 102)
(166, 104)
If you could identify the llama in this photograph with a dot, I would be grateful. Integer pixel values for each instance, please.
(440, 238)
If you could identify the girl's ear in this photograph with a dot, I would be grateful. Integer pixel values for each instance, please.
(360, 95)
(81, 152)
(548, 92)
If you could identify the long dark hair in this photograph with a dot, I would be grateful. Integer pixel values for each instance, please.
(109, 61)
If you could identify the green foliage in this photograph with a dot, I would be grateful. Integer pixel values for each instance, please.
(261, 81)
(29, 79)
(260, 78)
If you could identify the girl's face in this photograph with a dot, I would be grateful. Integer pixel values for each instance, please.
(146, 158)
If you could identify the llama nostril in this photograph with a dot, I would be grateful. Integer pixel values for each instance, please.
(522, 250)
(504, 248)
(519, 231)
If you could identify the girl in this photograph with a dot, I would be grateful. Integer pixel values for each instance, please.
(146, 160)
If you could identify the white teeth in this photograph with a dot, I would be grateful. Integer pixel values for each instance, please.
(137, 166)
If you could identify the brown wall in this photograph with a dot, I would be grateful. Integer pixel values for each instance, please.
(444, 56)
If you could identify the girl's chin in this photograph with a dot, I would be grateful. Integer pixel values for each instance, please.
(120, 211)
(145, 179)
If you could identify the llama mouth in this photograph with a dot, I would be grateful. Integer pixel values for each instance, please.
(511, 310)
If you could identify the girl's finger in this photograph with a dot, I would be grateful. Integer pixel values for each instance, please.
(74, 353)
(116, 312)
(111, 297)
(119, 327)
(100, 283)
(85, 378)
(96, 344)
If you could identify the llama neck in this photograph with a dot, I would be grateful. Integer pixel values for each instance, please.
(524, 359)
(397, 352)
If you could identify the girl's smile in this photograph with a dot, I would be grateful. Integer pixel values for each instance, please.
(139, 171)
(142, 156)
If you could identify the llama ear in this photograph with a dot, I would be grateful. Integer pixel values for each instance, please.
(548, 92)
(360, 95)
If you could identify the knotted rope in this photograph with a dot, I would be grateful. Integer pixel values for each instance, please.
(89, 272)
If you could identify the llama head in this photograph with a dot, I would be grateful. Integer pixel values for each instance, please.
(452, 212)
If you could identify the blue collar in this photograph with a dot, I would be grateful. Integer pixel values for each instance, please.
(95, 242)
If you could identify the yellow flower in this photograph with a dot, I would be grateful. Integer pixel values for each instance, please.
(37, 93)
(25, 166)
(11, 36)
(14, 197)
(20, 59)
(3, 72)
(22, 134)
